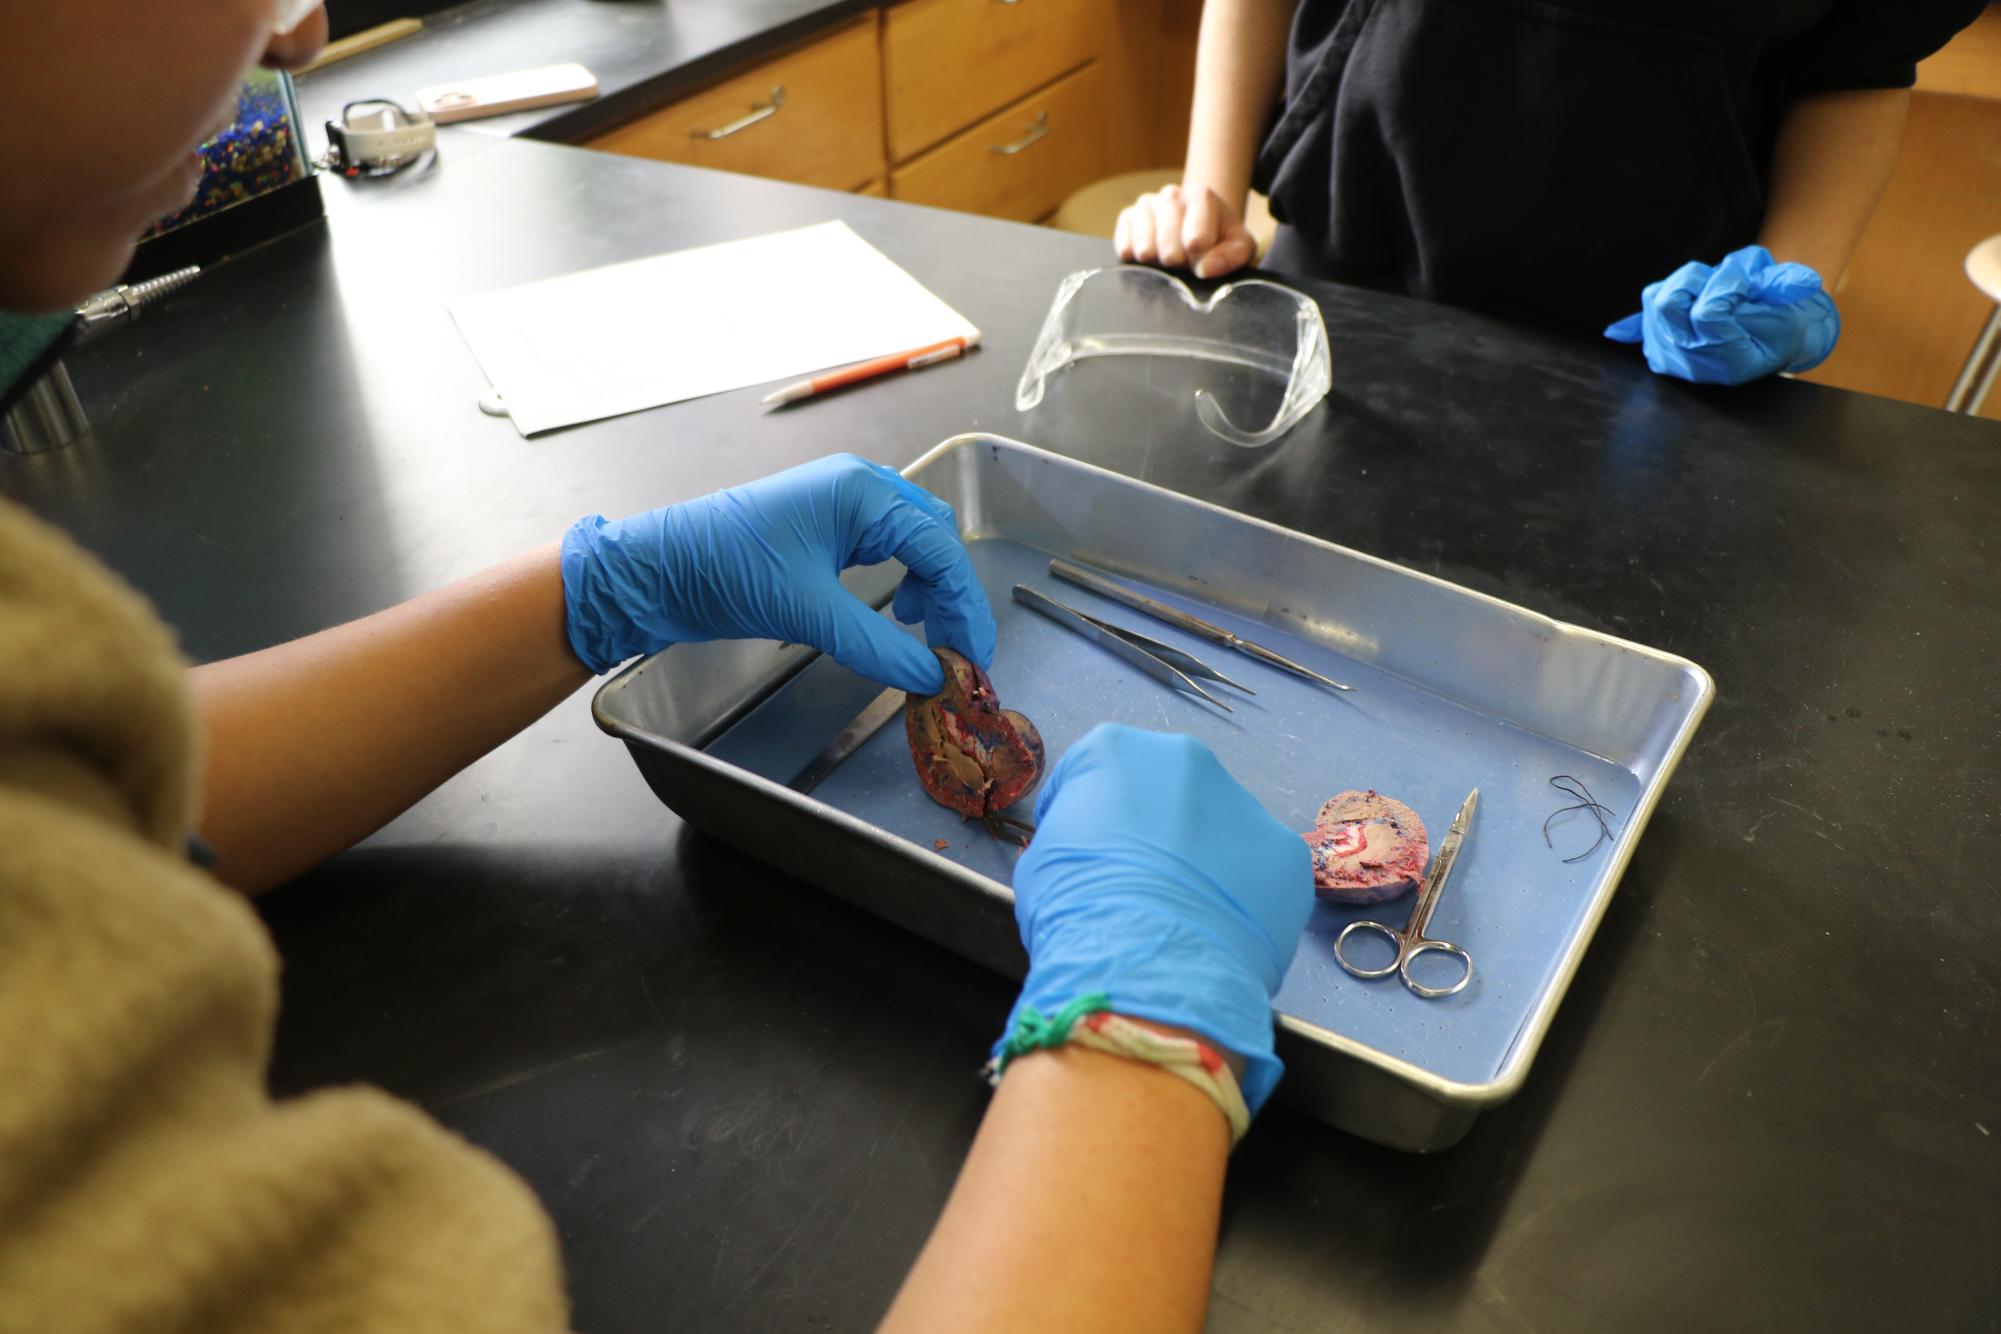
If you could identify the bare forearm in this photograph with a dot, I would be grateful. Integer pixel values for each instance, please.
(1089, 1201)
(1239, 67)
(1833, 159)
(315, 744)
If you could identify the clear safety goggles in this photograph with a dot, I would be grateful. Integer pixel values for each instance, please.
(1253, 353)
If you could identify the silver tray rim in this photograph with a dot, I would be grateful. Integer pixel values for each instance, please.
(1528, 1041)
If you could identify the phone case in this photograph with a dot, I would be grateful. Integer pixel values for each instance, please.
(497, 94)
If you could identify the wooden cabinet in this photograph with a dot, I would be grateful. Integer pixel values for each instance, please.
(1019, 163)
(948, 63)
(1002, 107)
(813, 116)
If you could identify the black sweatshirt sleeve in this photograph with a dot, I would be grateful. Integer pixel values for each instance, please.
(1863, 44)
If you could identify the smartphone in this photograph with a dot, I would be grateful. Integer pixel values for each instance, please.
(497, 94)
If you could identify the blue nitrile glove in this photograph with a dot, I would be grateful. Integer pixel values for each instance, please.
(1745, 318)
(1155, 879)
(763, 561)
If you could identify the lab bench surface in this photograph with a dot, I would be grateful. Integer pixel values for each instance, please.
(1770, 1101)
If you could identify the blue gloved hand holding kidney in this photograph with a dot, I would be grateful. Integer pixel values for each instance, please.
(1156, 881)
(1747, 317)
(763, 561)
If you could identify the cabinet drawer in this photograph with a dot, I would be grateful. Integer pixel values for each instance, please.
(950, 62)
(1020, 163)
(825, 128)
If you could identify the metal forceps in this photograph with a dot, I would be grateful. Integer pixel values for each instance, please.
(1194, 625)
(1163, 662)
(1009, 828)
(1410, 942)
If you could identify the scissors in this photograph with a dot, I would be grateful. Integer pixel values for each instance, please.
(1411, 941)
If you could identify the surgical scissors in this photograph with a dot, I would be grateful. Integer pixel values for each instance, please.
(1410, 942)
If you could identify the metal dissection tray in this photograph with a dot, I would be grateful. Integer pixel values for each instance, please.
(1454, 690)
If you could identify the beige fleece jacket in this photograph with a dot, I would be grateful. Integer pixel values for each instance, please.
(147, 1180)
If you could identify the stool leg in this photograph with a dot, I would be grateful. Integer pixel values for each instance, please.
(47, 417)
(1977, 376)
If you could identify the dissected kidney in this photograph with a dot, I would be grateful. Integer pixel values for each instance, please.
(1366, 848)
(972, 756)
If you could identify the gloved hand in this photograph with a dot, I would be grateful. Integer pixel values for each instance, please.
(1745, 318)
(763, 560)
(1155, 878)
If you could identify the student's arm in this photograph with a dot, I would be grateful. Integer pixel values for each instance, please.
(315, 744)
(1089, 1202)
(1833, 160)
(1239, 70)
(1156, 888)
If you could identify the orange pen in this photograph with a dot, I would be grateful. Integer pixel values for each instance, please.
(868, 370)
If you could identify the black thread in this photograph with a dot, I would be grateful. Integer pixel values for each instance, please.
(1585, 802)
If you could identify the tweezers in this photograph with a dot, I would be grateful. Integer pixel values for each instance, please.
(1163, 662)
(1008, 828)
(1194, 625)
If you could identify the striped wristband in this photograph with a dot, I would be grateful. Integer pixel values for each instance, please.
(1089, 1022)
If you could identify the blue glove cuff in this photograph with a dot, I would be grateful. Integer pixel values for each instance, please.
(598, 632)
(1820, 331)
(1163, 962)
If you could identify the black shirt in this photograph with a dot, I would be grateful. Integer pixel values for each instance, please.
(1552, 158)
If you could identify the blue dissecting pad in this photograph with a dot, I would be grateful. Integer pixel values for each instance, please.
(1511, 902)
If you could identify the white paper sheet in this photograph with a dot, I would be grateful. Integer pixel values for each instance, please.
(652, 331)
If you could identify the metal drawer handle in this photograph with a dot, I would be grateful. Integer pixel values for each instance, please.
(1036, 134)
(758, 111)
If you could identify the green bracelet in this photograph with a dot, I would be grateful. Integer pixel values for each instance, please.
(1033, 1032)
(1088, 1021)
